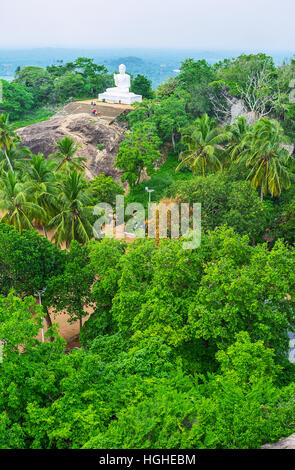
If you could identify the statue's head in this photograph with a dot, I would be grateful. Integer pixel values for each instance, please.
(122, 68)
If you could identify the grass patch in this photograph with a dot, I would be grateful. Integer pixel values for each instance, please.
(38, 115)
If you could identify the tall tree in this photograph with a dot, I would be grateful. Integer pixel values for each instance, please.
(142, 86)
(203, 146)
(70, 291)
(137, 152)
(41, 185)
(16, 156)
(17, 99)
(27, 262)
(238, 131)
(73, 220)
(265, 155)
(66, 155)
(169, 117)
(8, 137)
(18, 210)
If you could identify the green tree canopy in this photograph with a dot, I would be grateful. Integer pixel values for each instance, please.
(137, 152)
(142, 86)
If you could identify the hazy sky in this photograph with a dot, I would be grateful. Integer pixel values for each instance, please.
(196, 24)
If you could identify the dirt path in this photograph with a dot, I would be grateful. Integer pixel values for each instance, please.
(70, 331)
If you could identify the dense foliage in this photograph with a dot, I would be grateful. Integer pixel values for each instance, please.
(183, 348)
(35, 87)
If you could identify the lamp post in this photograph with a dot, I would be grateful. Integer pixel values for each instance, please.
(150, 191)
(39, 295)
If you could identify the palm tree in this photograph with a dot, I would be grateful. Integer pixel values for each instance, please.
(238, 130)
(264, 153)
(8, 137)
(16, 155)
(14, 202)
(41, 186)
(73, 221)
(66, 155)
(203, 142)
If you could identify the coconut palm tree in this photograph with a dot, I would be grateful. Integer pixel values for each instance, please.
(14, 202)
(73, 220)
(8, 138)
(203, 141)
(16, 155)
(264, 154)
(66, 155)
(41, 186)
(238, 130)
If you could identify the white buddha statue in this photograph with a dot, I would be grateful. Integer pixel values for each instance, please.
(120, 93)
(122, 81)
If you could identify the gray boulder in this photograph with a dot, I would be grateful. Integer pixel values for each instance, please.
(238, 109)
(87, 132)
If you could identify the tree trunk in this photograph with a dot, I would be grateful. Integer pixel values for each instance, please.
(48, 321)
(81, 323)
(8, 160)
(173, 140)
(261, 193)
(138, 179)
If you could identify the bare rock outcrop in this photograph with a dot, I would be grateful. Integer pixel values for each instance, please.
(98, 139)
(238, 109)
(286, 443)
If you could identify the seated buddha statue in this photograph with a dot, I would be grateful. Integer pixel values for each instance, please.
(120, 93)
(122, 81)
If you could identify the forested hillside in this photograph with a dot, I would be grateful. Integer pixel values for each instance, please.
(184, 348)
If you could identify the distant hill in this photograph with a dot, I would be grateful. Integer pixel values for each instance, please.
(156, 64)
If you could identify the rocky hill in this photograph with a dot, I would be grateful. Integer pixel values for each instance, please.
(87, 131)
